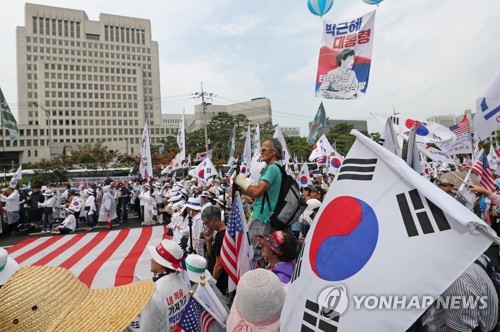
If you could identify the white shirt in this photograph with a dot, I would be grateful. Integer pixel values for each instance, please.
(69, 222)
(11, 202)
(164, 310)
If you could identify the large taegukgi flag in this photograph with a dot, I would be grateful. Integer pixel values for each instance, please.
(381, 230)
(345, 58)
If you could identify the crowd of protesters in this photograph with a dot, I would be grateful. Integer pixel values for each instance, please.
(196, 213)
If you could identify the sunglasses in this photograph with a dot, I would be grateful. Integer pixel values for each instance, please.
(265, 149)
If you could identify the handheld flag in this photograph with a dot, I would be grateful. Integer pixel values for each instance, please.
(463, 142)
(202, 155)
(247, 148)
(318, 123)
(426, 132)
(7, 119)
(231, 144)
(236, 252)
(487, 109)
(181, 139)
(146, 166)
(279, 136)
(482, 169)
(348, 258)
(321, 149)
(205, 170)
(17, 176)
(304, 179)
(256, 139)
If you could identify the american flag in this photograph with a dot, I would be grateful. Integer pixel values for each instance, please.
(99, 259)
(482, 169)
(462, 127)
(195, 318)
(236, 252)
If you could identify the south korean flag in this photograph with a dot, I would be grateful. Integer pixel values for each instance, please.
(381, 230)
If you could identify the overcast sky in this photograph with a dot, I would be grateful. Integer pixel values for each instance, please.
(429, 57)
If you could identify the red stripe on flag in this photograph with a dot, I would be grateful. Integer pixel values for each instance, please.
(88, 275)
(67, 264)
(125, 273)
(20, 245)
(239, 240)
(74, 239)
(51, 240)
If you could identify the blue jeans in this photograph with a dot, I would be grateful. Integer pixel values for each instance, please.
(47, 221)
(90, 219)
(64, 230)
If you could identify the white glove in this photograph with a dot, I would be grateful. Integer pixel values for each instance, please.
(241, 180)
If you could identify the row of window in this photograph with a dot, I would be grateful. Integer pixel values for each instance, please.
(68, 51)
(96, 54)
(87, 45)
(90, 69)
(79, 86)
(70, 133)
(124, 35)
(56, 27)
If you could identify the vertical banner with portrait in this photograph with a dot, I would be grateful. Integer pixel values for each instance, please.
(345, 58)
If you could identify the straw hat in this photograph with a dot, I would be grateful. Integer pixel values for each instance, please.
(7, 266)
(45, 298)
(168, 254)
(196, 266)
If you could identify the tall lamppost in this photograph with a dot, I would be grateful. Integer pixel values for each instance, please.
(47, 115)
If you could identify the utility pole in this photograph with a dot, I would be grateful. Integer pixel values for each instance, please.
(209, 96)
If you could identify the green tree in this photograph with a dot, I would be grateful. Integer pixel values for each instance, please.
(298, 146)
(195, 142)
(340, 134)
(93, 157)
(267, 129)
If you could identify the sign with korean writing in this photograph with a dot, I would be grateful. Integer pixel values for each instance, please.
(345, 58)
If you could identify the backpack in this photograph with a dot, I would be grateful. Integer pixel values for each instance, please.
(287, 208)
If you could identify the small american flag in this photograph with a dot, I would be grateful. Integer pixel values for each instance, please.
(195, 318)
(236, 253)
(482, 169)
(462, 127)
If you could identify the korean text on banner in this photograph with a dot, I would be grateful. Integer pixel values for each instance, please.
(345, 58)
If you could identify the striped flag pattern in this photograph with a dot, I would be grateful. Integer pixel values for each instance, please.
(236, 251)
(195, 318)
(100, 260)
(482, 169)
(462, 127)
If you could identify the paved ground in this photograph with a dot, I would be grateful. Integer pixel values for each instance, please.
(16, 237)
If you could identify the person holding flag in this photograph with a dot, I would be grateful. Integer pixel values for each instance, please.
(268, 187)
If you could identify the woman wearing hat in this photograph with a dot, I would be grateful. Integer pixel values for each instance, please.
(279, 250)
(8, 266)
(258, 302)
(69, 223)
(47, 205)
(193, 207)
(164, 310)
